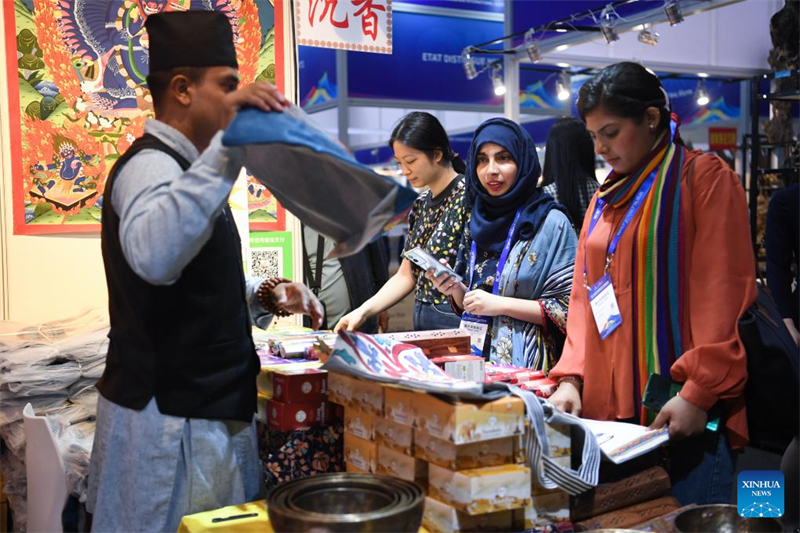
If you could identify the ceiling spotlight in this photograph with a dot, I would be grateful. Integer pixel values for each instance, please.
(673, 11)
(497, 81)
(648, 36)
(469, 64)
(531, 47)
(564, 86)
(701, 94)
(608, 19)
(702, 74)
(561, 47)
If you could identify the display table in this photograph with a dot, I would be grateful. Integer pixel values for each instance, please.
(259, 522)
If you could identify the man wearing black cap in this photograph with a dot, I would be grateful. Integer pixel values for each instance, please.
(175, 431)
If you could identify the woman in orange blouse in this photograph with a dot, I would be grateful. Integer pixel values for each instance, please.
(667, 233)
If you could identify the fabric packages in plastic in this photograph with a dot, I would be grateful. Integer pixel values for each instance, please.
(316, 179)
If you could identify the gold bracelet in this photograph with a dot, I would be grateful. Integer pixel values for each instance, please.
(266, 296)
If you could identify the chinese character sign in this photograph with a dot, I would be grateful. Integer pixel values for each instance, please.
(358, 25)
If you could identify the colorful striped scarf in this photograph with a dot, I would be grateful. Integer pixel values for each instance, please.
(657, 262)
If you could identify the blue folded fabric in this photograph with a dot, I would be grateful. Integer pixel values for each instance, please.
(316, 178)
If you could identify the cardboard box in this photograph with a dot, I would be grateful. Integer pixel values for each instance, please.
(559, 439)
(464, 456)
(299, 384)
(353, 469)
(367, 396)
(439, 517)
(393, 435)
(399, 405)
(396, 464)
(359, 423)
(289, 416)
(465, 422)
(361, 453)
(481, 490)
(547, 509)
(340, 388)
(352, 392)
(463, 367)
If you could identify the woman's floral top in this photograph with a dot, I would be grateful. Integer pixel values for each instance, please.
(436, 224)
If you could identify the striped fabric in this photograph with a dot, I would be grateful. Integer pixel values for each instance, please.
(658, 259)
(548, 472)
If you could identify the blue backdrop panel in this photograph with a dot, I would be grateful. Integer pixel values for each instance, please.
(317, 73)
(427, 49)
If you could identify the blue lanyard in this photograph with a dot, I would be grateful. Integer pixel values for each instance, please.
(501, 263)
(600, 205)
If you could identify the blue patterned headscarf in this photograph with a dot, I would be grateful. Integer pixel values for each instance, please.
(492, 215)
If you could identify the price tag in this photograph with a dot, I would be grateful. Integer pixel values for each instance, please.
(478, 327)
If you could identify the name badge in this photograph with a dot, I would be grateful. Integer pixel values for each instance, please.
(604, 306)
(478, 327)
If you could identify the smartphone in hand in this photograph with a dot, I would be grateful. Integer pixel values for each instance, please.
(426, 261)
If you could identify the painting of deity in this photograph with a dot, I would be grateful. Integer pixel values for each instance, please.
(78, 96)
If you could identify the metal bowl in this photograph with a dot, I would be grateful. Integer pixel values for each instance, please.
(722, 519)
(346, 502)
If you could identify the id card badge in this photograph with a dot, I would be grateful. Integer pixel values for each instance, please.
(604, 306)
(478, 327)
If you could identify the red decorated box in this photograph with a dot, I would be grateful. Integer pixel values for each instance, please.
(289, 416)
(290, 385)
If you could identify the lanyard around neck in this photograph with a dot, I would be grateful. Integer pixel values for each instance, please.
(600, 205)
(501, 263)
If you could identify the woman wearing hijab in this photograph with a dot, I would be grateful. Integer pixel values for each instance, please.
(516, 255)
(666, 241)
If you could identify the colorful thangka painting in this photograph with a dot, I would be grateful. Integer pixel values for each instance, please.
(265, 213)
(78, 96)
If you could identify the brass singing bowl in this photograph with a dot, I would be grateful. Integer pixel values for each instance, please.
(723, 519)
(346, 502)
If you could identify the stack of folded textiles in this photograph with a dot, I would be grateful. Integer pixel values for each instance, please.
(53, 366)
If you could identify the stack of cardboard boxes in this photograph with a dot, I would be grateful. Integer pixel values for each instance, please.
(469, 456)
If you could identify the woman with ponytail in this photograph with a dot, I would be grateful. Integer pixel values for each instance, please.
(436, 222)
(663, 271)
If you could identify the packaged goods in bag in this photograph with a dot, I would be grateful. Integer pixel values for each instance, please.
(316, 179)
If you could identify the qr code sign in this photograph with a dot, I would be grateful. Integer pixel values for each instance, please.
(266, 263)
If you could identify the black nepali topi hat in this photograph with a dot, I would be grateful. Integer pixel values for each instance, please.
(190, 39)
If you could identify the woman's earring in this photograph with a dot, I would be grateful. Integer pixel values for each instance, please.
(652, 127)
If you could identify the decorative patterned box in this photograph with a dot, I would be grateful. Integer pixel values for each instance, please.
(396, 464)
(442, 518)
(464, 456)
(290, 416)
(291, 385)
(465, 422)
(481, 490)
(288, 455)
(399, 405)
(393, 435)
(264, 378)
(360, 453)
(359, 423)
